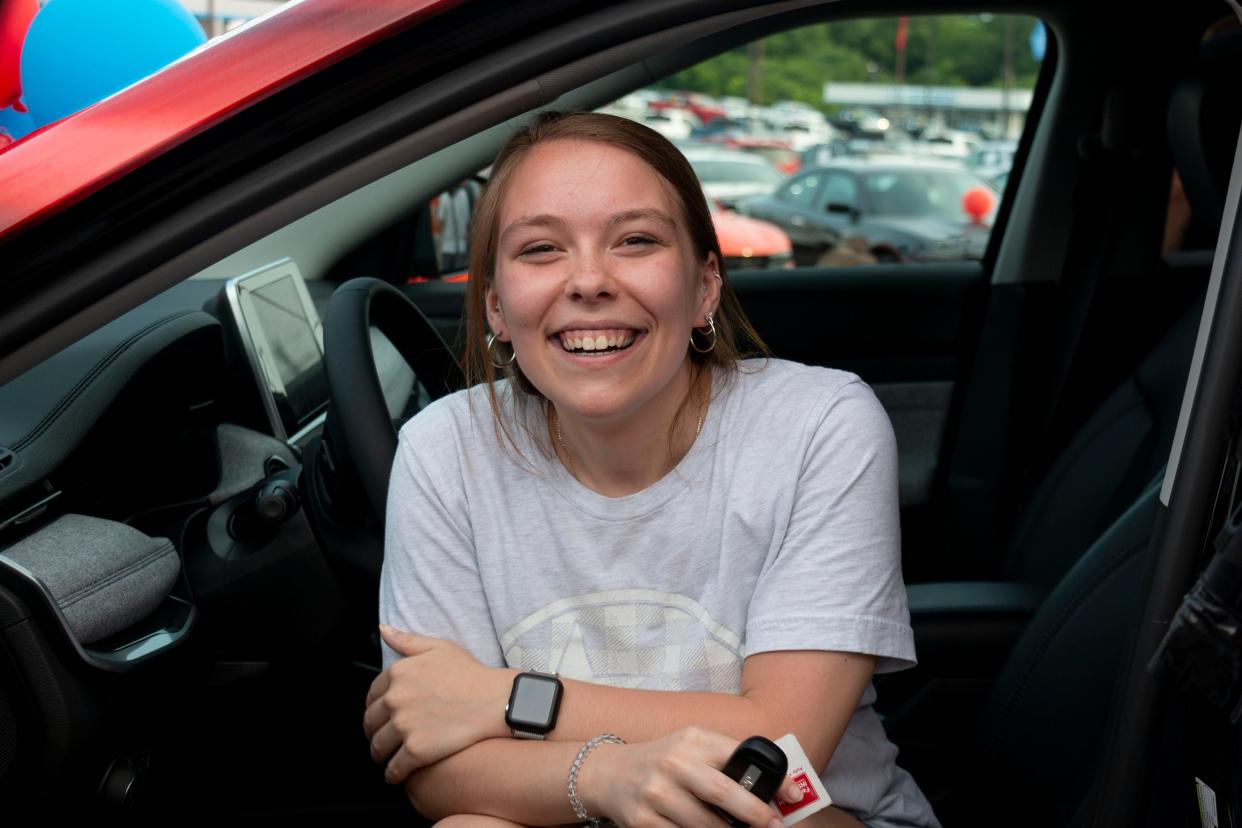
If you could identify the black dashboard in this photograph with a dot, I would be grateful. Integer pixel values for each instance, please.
(152, 428)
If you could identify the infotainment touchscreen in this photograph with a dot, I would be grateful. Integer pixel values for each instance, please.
(283, 338)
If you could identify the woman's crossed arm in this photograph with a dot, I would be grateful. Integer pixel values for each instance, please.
(437, 717)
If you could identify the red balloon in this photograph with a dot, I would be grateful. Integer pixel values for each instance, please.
(978, 202)
(15, 17)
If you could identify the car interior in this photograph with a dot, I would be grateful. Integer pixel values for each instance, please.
(190, 545)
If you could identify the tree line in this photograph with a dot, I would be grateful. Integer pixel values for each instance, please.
(961, 50)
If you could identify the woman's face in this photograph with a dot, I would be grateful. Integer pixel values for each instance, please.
(597, 285)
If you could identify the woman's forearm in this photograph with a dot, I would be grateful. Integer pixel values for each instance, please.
(525, 780)
(811, 698)
(642, 715)
(515, 779)
(812, 695)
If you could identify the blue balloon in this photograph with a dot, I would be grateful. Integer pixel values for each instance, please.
(16, 123)
(78, 52)
(1038, 40)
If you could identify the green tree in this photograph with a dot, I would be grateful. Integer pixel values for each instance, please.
(957, 50)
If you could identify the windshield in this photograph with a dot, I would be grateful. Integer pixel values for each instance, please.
(919, 192)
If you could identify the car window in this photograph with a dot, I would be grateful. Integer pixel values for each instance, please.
(802, 191)
(941, 127)
(928, 193)
(950, 91)
(840, 188)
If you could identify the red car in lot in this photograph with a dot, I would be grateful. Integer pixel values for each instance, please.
(701, 109)
(750, 244)
(1064, 406)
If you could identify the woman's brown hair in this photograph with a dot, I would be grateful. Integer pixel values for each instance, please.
(735, 336)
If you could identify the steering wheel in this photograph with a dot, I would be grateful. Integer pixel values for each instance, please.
(359, 425)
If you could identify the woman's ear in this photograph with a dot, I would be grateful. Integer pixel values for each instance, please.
(495, 314)
(710, 280)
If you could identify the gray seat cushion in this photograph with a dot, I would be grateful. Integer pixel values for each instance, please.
(105, 576)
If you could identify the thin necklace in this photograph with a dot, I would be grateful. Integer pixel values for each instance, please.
(560, 439)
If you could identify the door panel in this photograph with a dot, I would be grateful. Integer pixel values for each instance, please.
(906, 330)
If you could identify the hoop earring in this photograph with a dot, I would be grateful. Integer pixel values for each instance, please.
(711, 331)
(491, 340)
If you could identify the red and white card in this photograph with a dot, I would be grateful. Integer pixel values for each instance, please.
(814, 797)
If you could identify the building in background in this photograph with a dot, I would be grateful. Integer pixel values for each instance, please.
(220, 16)
(1000, 112)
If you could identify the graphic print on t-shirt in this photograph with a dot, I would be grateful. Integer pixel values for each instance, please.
(636, 638)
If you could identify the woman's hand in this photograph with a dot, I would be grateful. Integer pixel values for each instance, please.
(432, 703)
(671, 782)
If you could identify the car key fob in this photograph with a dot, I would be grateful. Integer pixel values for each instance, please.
(759, 766)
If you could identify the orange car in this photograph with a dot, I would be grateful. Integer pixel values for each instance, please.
(750, 244)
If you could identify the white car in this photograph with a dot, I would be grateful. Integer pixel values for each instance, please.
(729, 175)
(674, 124)
(993, 159)
(804, 134)
(948, 143)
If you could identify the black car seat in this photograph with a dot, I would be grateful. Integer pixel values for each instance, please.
(1122, 444)
(1041, 737)
(1044, 722)
(1106, 463)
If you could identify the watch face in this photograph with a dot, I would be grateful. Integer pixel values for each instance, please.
(533, 703)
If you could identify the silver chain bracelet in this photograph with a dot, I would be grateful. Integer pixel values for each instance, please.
(571, 784)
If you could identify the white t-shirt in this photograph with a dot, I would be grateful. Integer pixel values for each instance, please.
(777, 531)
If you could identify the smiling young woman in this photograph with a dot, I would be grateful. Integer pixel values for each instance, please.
(701, 547)
(597, 288)
(593, 209)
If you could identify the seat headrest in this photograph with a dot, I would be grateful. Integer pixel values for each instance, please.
(1205, 111)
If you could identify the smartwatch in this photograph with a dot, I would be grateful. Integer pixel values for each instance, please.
(533, 704)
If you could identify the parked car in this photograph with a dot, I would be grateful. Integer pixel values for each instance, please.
(992, 159)
(805, 134)
(1064, 405)
(731, 175)
(776, 150)
(749, 244)
(674, 124)
(903, 212)
(703, 108)
(948, 143)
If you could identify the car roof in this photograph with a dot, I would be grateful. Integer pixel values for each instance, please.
(886, 165)
(730, 155)
(164, 110)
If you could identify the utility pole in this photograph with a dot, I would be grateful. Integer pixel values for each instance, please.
(1007, 75)
(899, 44)
(754, 73)
(933, 26)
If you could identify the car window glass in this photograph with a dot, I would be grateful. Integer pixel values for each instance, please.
(840, 189)
(763, 135)
(917, 192)
(802, 190)
(948, 91)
